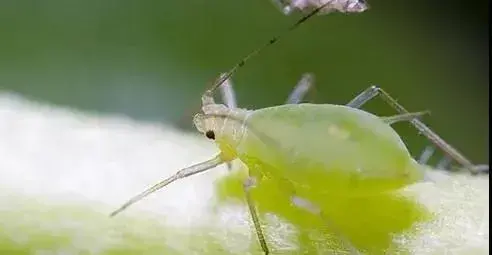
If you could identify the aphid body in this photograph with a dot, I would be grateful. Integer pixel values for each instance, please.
(320, 158)
(318, 148)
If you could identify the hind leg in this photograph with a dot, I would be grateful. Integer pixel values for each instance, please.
(437, 141)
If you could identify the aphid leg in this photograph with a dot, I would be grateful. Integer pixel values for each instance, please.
(247, 185)
(426, 154)
(374, 91)
(181, 174)
(482, 168)
(444, 163)
(229, 99)
(403, 117)
(312, 208)
(228, 94)
(303, 86)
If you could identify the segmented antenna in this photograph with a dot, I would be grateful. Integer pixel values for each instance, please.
(272, 41)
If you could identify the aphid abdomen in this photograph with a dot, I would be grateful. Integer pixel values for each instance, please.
(329, 148)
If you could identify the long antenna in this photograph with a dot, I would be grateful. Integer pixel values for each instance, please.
(275, 39)
(320, 9)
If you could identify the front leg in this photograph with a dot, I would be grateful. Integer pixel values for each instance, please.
(247, 185)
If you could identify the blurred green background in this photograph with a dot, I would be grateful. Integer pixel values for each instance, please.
(152, 59)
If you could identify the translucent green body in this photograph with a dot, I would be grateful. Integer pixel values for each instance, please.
(369, 223)
(327, 149)
(343, 160)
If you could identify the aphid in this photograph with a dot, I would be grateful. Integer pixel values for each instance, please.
(348, 6)
(308, 151)
(306, 83)
(379, 228)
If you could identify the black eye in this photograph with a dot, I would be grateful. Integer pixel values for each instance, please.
(210, 134)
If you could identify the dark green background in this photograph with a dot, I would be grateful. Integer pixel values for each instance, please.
(152, 59)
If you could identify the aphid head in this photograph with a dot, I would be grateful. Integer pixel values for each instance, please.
(223, 125)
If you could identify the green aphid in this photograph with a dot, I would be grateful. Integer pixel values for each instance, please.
(336, 161)
(327, 160)
(311, 153)
(357, 214)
